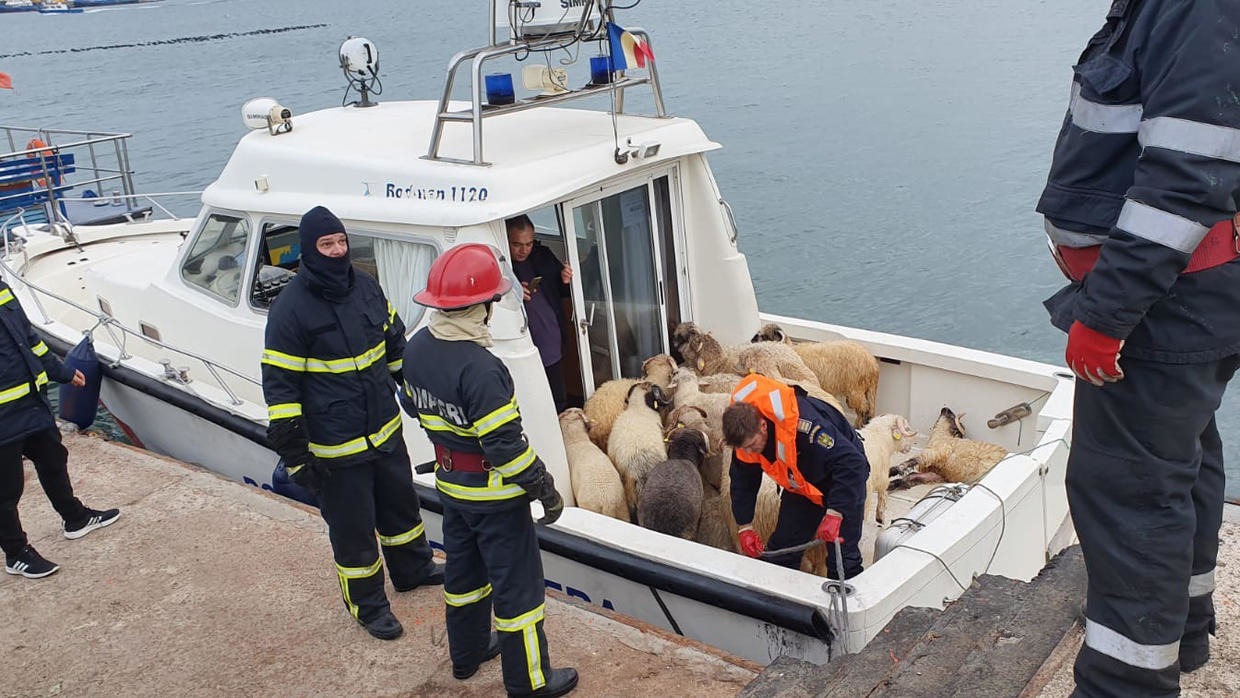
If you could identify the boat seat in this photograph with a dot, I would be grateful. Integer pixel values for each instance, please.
(25, 182)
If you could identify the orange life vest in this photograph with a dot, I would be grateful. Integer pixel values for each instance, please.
(778, 403)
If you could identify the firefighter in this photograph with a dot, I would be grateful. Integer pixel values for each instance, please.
(27, 428)
(486, 473)
(813, 454)
(331, 367)
(1139, 209)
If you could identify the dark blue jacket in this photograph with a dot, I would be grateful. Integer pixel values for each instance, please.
(830, 455)
(464, 398)
(336, 365)
(1147, 160)
(26, 365)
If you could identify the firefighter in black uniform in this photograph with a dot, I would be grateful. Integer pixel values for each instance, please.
(331, 367)
(1139, 209)
(486, 473)
(813, 454)
(28, 428)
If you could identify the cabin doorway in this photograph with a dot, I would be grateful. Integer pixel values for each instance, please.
(626, 288)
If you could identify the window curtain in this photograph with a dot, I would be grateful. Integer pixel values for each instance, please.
(403, 268)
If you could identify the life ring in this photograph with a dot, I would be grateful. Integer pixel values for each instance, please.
(35, 144)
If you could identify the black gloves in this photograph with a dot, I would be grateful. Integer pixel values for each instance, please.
(287, 437)
(311, 474)
(553, 504)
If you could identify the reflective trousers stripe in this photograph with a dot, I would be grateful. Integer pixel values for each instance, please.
(402, 538)
(1106, 641)
(1201, 584)
(459, 600)
(359, 572)
(527, 625)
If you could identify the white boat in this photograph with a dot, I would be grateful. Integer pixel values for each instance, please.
(636, 212)
(58, 8)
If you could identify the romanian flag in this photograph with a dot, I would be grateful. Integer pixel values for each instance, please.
(6, 82)
(626, 49)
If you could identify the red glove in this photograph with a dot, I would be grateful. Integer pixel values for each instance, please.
(829, 529)
(1093, 356)
(751, 544)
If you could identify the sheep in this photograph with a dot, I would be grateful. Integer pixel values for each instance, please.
(608, 399)
(701, 351)
(882, 436)
(948, 456)
(596, 482)
(775, 360)
(842, 367)
(716, 527)
(636, 441)
(671, 499)
(719, 383)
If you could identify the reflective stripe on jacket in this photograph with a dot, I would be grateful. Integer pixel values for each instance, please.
(335, 365)
(26, 365)
(463, 397)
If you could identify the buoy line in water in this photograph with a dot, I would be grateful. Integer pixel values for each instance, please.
(163, 42)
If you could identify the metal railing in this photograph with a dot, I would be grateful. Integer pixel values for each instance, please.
(111, 325)
(478, 110)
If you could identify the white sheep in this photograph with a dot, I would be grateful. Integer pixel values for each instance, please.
(608, 399)
(636, 442)
(948, 456)
(842, 367)
(883, 436)
(671, 499)
(596, 482)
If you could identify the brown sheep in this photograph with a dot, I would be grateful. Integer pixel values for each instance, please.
(842, 367)
(948, 456)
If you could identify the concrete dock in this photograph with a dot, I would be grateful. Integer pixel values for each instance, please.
(209, 587)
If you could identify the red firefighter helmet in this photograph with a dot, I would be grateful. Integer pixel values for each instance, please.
(463, 276)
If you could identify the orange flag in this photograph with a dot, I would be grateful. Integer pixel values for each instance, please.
(6, 82)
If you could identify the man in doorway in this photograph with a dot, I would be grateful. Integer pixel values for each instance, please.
(545, 282)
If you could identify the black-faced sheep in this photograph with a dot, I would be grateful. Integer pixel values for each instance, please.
(608, 399)
(636, 441)
(948, 456)
(884, 436)
(842, 367)
(596, 482)
(671, 500)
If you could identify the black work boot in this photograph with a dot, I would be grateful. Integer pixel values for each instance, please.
(559, 682)
(433, 578)
(385, 627)
(460, 672)
(1194, 653)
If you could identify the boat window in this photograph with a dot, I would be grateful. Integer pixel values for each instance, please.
(217, 256)
(400, 266)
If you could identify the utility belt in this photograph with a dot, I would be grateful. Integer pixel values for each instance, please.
(1218, 247)
(462, 461)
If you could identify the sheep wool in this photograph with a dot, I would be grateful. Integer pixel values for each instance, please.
(636, 445)
(596, 482)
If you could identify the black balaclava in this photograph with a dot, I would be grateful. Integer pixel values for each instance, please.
(328, 277)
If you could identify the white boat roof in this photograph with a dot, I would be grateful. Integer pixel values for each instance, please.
(353, 160)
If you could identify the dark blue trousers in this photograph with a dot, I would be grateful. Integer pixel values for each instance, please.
(1145, 487)
(798, 523)
(493, 561)
(359, 500)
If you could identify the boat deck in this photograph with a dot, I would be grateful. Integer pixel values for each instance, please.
(209, 587)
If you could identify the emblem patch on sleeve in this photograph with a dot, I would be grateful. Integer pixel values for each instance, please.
(824, 439)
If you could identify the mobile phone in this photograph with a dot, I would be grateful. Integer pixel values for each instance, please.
(534, 282)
